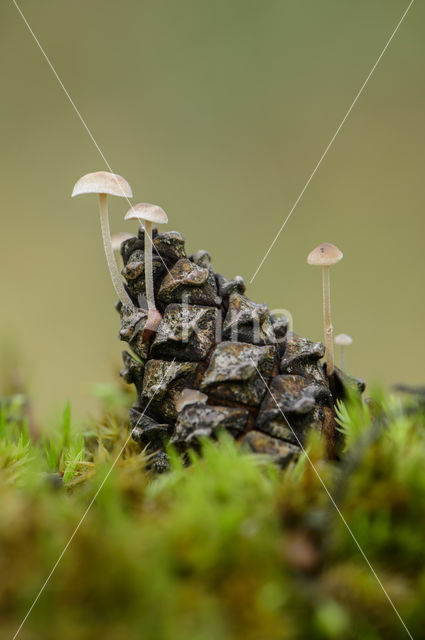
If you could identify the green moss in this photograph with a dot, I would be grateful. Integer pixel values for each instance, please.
(229, 547)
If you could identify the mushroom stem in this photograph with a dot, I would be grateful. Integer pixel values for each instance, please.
(342, 357)
(150, 297)
(330, 365)
(120, 263)
(110, 258)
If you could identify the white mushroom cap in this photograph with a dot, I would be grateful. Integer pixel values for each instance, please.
(118, 238)
(190, 396)
(103, 182)
(325, 255)
(146, 211)
(343, 340)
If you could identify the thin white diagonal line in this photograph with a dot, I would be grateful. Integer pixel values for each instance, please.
(335, 504)
(88, 508)
(83, 122)
(359, 93)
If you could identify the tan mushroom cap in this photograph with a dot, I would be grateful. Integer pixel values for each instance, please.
(103, 182)
(146, 211)
(118, 238)
(343, 340)
(325, 255)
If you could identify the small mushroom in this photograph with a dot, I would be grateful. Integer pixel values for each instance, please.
(190, 396)
(104, 183)
(343, 340)
(117, 239)
(120, 237)
(148, 214)
(325, 255)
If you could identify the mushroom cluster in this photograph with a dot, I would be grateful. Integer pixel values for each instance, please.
(205, 357)
(216, 361)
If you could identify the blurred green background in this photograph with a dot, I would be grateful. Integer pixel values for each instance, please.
(217, 110)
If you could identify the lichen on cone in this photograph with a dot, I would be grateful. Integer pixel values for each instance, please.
(265, 386)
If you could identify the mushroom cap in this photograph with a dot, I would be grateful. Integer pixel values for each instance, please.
(103, 182)
(343, 340)
(325, 255)
(146, 211)
(118, 238)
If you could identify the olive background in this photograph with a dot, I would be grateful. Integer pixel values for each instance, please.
(218, 110)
